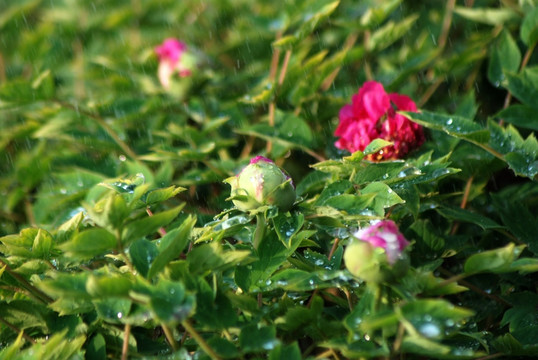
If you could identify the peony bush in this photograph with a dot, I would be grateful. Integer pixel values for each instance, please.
(268, 180)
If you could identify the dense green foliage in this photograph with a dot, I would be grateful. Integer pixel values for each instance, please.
(117, 237)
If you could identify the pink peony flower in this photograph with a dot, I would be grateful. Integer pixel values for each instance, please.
(172, 58)
(384, 234)
(372, 115)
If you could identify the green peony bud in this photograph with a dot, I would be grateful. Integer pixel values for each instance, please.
(262, 183)
(362, 261)
(377, 253)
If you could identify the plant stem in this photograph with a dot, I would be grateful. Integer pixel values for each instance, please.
(170, 337)
(31, 288)
(447, 21)
(459, 280)
(17, 330)
(284, 68)
(161, 230)
(99, 120)
(200, 340)
(463, 204)
(125, 347)
(259, 231)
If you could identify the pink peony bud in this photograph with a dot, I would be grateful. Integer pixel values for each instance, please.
(372, 115)
(173, 57)
(376, 255)
(262, 183)
(384, 234)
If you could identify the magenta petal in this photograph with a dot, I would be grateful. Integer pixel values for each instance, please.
(259, 158)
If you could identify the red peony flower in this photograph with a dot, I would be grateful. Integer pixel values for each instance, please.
(372, 115)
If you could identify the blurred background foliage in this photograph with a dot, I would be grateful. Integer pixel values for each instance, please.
(81, 106)
(80, 100)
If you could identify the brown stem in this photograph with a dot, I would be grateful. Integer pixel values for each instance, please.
(249, 144)
(274, 60)
(125, 347)
(284, 68)
(447, 21)
(29, 212)
(272, 107)
(429, 92)
(17, 330)
(350, 41)
(463, 204)
(200, 340)
(161, 230)
(333, 248)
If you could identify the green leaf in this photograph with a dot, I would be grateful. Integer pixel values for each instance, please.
(453, 125)
(254, 338)
(211, 257)
(171, 245)
(529, 28)
(488, 16)
(23, 91)
(468, 216)
(159, 195)
(505, 56)
(226, 349)
(390, 33)
(315, 13)
(112, 309)
(383, 197)
(170, 303)
(96, 348)
(495, 261)
(142, 253)
(520, 115)
(272, 254)
(287, 227)
(420, 345)
(90, 243)
(524, 85)
(523, 318)
(139, 228)
(109, 285)
(286, 352)
(351, 204)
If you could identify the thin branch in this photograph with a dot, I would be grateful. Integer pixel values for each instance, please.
(170, 337)
(35, 291)
(29, 212)
(348, 44)
(105, 127)
(161, 230)
(200, 340)
(284, 68)
(459, 280)
(125, 347)
(17, 330)
(463, 204)
(447, 21)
